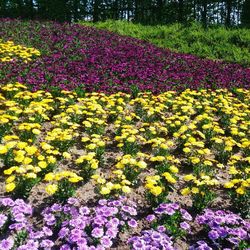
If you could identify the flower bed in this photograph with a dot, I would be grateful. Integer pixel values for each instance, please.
(77, 56)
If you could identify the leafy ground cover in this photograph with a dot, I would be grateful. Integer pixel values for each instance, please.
(74, 55)
(85, 169)
(216, 42)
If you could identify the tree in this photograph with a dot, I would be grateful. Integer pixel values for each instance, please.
(245, 18)
(228, 12)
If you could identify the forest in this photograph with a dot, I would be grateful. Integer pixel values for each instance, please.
(229, 12)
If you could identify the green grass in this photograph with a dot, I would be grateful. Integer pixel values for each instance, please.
(232, 45)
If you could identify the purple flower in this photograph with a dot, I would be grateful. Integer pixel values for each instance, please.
(84, 210)
(161, 229)
(47, 244)
(106, 242)
(150, 217)
(102, 202)
(132, 223)
(19, 217)
(63, 232)
(184, 225)
(47, 231)
(213, 235)
(73, 201)
(7, 244)
(138, 245)
(50, 219)
(65, 247)
(97, 232)
(234, 240)
(7, 202)
(3, 219)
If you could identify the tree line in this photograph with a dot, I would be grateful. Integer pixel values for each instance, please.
(227, 12)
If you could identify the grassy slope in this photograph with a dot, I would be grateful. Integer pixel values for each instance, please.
(231, 45)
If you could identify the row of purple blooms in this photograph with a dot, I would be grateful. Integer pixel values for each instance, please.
(99, 60)
(74, 226)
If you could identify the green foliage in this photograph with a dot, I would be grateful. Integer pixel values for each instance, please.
(232, 45)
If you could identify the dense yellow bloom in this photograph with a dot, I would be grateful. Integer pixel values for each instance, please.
(185, 191)
(51, 189)
(156, 191)
(9, 51)
(10, 187)
(228, 185)
(105, 191)
(3, 149)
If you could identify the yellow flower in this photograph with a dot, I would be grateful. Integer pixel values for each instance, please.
(195, 190)
(185, 191)
(51, 159)
(21, 145)
(10, 179)
(228, 185)
(49, 177)
(27, 160)
(156, 190)
(31, 175)
(75, 179)
(31, 150)
(51, 189)
(42, 164)
(105, 190)
(36, 131)
(85, 139)
(19, 158)
(186, 150)
(188, 177)
(208, 163)
(131, 139)
(228, 148)
(174, 169)
(117, 186)
(9, 171)
(195, 160)
(240, 190)
(3, 149)
(169, 177)
(10, 187)
(94, 164)
(126, 189)
(142, 164)
(233, 171)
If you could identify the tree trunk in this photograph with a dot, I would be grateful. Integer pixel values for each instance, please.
(180, 11)
(228, 12)
(204, 13)
(96, 14)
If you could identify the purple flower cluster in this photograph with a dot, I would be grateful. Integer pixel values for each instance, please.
(15, 214)
(151, 240)
(90, 228)
(224, 228)
(74, 55)
(173, 217)
(71, 225)
(16, 217)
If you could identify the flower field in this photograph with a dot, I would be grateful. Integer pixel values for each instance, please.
(110, 142)
(74, 55)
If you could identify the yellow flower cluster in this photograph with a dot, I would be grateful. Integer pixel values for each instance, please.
(239, 171)
(9, 51)
(118, 184)
(57, 177)
(196, 184)
(147, 142)
(153, 185)
(88, 159)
